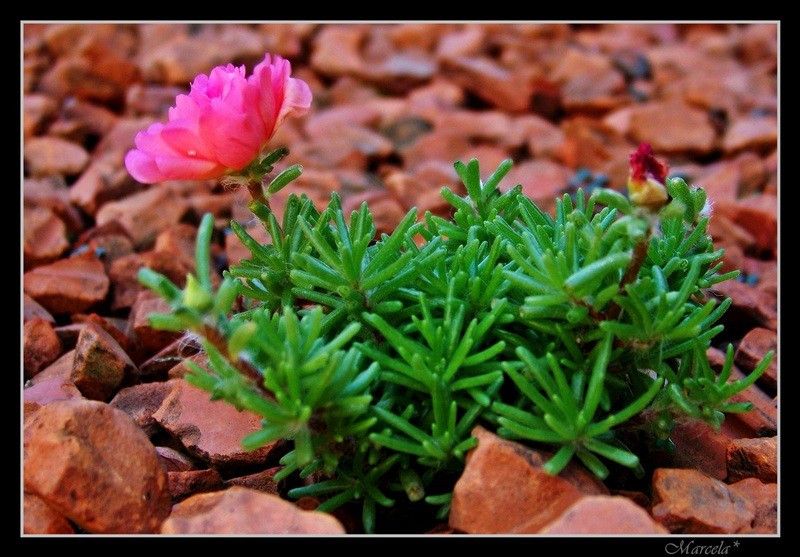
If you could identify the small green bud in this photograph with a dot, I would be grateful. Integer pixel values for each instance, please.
(195, 296)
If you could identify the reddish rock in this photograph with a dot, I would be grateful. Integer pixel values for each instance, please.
(44, 392)
(758, 214)
(765, 498)
(159, 364)
(180, 54)
(179, 241)
(750, 306)
(387, 211)
(174, 461)
(40, 346)
(672, 127)
(114, 326)
(619, 119)
(698, 446)
(68, 334)
(438, 94)
(399, 72)
(503, 489)
(491, 82)
(185, 483)
(751, 351)
(94, 68)
(37, 110)
(350, 147)
(690, 502)
(591, 144)
(286, 39)
(220, 205)
(421, 189)
(762, 420)
(92, 464)
(106, 179)
(542, 137)
(52, 193)
(463, 42)
(337, 50)
(108, 246)
(261, 481)
(124, 271)
(141, 401)
(211, 431)
(589, 82)
(61, 369)
(148, 339)
(757, 134)
(604, 515)
(753, 458)
(100, 365)
(48, 155)
(730, 236)
(68, 285)
(635, 496)
(180, 370)
(242, 511)
(32, 310)
(39, 518)
(542, 180)
(143, 215)
(151, 99)
(437, 145)
(494, 126)
(44, 236)
(722, 182)
(91, 119)
(768, 278)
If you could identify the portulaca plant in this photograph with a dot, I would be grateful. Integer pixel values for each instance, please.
(374, 356)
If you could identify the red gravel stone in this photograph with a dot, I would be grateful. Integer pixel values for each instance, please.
(753, 458)
(687, 501)
(100, 365)
(183, 484)
(141, 401)
(64, 442)
(44, 236)
(503, 489)
(751, 351)
(32, 310)
(672, 127)
(68, 285)
(48, 155)
(493, 83)
(242, 511)
(39, 518)
(40, 344)
(211, 431)
(765, 498)
(604, 515)
(143, 215)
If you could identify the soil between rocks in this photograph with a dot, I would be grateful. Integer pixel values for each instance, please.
(394, 106)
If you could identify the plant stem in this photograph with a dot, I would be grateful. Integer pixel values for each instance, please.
(218, 340)
(257, 191)
(639, 255)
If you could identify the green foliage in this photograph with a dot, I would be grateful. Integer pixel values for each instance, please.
(377, 356)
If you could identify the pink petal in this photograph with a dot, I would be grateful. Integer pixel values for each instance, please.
(183, 168)
(226, 132)
(143, 167)
(185, 139)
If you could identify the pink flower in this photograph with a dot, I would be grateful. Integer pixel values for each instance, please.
(221, 126)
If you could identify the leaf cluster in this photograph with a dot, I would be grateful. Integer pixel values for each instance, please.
(376, 355)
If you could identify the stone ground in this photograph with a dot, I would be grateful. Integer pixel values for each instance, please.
(115, 441)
